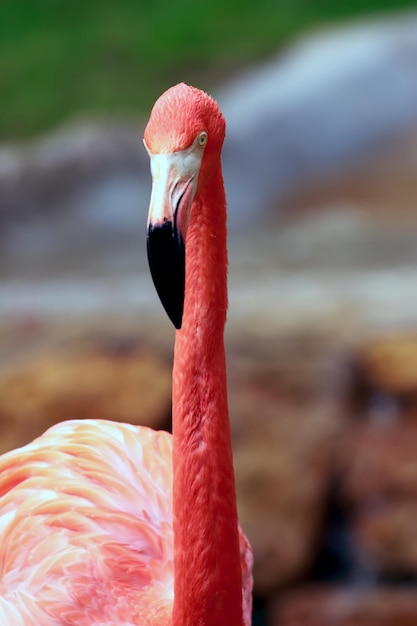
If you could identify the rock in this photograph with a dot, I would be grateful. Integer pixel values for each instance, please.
(38, 175)
(380, 461)
(382, 185)
(378, 457)
(308, 109)
(380, 487)
(388, 364)
(386, 534)
(329, 606)
(284, 424)
(107, 379)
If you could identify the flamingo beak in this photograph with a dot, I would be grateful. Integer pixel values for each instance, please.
(174, 186)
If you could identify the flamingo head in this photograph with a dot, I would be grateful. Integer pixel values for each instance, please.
(183, 137)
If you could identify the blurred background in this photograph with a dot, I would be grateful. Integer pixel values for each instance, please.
(320, 167)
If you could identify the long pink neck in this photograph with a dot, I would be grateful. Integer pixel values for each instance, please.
(208, 581)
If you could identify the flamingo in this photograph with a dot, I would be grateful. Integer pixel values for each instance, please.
(104, 523)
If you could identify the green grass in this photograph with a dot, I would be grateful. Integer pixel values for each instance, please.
(61, 58)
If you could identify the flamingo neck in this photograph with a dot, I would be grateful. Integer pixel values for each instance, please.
(208, 580)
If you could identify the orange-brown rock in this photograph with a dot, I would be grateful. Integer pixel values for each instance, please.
(380, 460)
(389, 364)
(284, 426)
(380, 487)
(386, 534)
(322, 606)
(108, 379)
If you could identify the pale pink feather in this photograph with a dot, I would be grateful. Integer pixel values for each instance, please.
(86, 529)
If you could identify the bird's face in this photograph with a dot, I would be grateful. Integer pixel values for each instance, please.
(183, 138)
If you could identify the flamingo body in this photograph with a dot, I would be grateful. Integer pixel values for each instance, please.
(108, 524)
(86, 528)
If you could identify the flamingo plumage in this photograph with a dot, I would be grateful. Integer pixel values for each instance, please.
(110, 524)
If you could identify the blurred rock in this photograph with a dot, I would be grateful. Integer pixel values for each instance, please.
(380, 485)
(388, 364)
(36, 175)
(285, 420)
(114, 379)
(378, 457)
(383, 184)
(329, 101)
(380, 461)
(327, 606)
(386, 533)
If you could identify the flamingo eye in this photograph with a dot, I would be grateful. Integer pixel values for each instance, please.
(202, 139)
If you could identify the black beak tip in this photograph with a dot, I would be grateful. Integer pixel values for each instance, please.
(166, 256)
(177, 322)
(174, 313)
